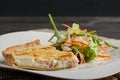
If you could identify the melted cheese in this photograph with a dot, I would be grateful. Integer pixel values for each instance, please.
(45, 53)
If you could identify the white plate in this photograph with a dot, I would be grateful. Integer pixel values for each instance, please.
(92, 70)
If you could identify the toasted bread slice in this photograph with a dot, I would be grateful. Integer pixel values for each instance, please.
(34, 56)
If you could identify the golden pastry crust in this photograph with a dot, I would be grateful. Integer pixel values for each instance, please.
(7, 53)
(33, 56)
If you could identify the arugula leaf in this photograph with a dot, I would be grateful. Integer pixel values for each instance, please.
(90, 54)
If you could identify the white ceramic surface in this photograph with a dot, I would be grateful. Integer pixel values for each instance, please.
(94, 70)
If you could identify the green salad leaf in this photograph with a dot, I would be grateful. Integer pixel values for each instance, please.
(85, 44)
(90, 54)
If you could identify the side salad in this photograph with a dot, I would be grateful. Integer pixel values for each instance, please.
(85, 44)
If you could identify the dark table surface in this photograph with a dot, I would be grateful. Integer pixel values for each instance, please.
(105, 26)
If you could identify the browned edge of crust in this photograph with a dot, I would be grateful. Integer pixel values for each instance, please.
(10, 59)
(7, 53)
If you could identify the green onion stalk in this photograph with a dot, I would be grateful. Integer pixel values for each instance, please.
(56, 32)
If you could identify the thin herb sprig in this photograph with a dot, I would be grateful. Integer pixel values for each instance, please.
(56, 32)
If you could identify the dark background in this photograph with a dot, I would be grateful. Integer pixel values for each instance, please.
(60, 7)
(100, 15)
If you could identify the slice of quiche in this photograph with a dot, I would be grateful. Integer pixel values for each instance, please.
(34, 56)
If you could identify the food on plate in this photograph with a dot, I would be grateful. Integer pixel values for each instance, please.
(85, 44)
(74, 46)
(32, 55)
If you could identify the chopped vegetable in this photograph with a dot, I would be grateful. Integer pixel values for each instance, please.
(111, 45)
(85, 44)
(104, 56)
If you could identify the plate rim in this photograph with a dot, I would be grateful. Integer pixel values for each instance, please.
(34, 71)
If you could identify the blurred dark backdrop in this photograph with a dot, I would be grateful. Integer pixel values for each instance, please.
(60, 7)
(100, 15)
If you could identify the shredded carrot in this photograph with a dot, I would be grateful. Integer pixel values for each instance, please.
(76, 44)
(104, 56)
(67, 26)
(82, 61)
(80, 42)
(104, 48)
